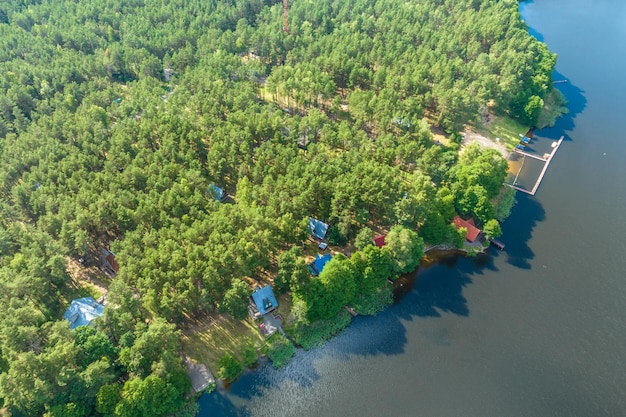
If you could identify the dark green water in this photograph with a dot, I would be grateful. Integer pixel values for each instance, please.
(537, 330)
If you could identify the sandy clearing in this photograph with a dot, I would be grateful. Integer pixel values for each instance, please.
(483, 142)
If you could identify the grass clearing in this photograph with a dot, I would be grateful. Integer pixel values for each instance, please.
(505, 128)
(208, 340)
(86, 281)
(284, 309)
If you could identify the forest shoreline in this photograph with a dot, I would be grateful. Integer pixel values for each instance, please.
(123, 129)
(401, 286)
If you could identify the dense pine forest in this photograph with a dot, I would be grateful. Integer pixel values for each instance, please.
(118, 116)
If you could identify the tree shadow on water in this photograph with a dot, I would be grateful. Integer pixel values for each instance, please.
(369, 336)
(299, 372)
(217, 404)
(436, 289)
(576, 103)
(517, 230)
(439, 288)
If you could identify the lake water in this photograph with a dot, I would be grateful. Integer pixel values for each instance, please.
(536, 330)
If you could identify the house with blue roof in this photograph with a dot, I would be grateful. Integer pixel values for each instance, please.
(317, 228)
(216, 192)
(264, 300)
(83, 311)
(318, 264)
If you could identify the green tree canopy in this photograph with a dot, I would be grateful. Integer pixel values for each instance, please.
(405, 248)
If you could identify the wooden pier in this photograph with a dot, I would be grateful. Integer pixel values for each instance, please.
(543, 171)
(498, 244)
(528, 154)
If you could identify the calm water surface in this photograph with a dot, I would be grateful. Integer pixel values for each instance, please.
(538, 330)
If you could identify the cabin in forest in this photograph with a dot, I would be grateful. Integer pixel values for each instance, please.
(303, 140)
(402, 122)
(380, 241)
(167, 74)
(317, 228)
(319, 263)
(472, 233)
(264, 300)
(109, 264)
(83, 311)
(216, 192)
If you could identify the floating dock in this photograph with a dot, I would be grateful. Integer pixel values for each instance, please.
(546, 157)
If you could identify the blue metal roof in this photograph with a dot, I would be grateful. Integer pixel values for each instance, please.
(318, 264)
(216, 191)
(83, 311)
(317, 228)
(264, 299)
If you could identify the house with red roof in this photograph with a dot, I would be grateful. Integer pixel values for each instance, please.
(473, 232)
(110, 265)
(380, 241)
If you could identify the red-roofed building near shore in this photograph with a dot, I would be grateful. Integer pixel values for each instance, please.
(473, 232)
(380, 241)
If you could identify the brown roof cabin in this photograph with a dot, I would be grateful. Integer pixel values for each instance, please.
(473, 232)
(107, 258)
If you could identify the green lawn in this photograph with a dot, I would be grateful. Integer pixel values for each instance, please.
(85, 281)
(206, 341)
(505, 128)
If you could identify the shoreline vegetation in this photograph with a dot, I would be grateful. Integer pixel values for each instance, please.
(165, 158)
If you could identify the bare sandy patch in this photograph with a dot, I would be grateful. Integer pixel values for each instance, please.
(484, 142)
(87, 276)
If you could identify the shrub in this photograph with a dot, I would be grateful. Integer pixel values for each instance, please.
(336, 237)
(249, 356)
(230, 368)
(190, 409)
(364, 238)
(280, 350)
(315, 334)
(504, 203)
(370, 305)
(210, 388)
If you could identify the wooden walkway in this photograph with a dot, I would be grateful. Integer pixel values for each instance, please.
(543, 171)
(528, 154)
